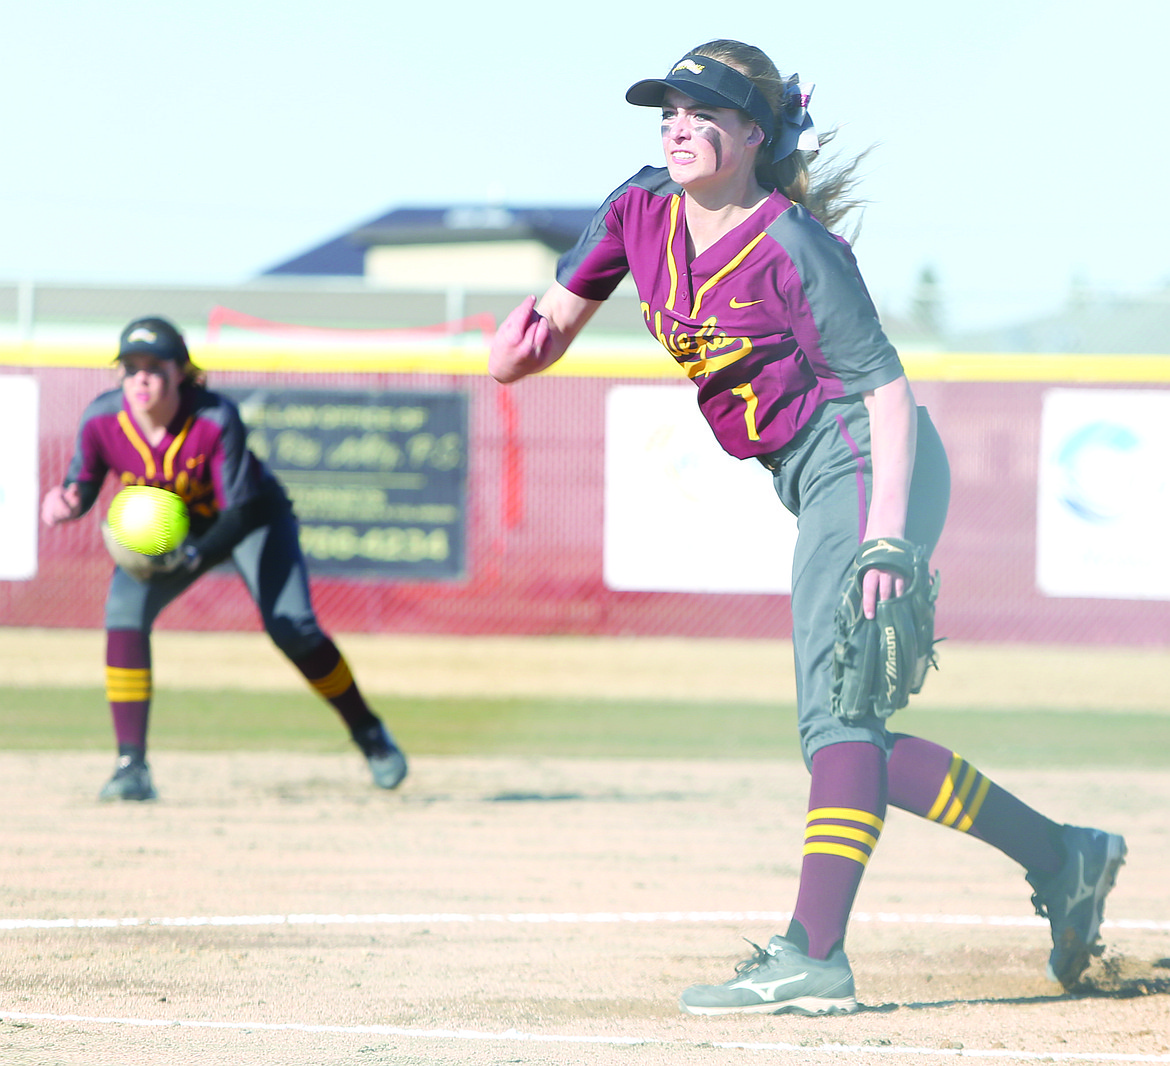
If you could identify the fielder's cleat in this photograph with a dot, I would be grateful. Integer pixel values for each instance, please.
(131, 781)
(1073, 899)
(387, 763)
(779, 979)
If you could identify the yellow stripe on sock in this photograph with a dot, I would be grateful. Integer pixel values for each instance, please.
(946, 790)
(337, 681)
(127, 684)
(846, 831)
(968, 820)
(965, 786)
(843, 850)
(951, 807)
(128, 693)
(849, 814)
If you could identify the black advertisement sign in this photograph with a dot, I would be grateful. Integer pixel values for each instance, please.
(377, 479)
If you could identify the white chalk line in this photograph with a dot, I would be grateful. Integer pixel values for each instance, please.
(561, 918)
(520, 1036)
(595, 917)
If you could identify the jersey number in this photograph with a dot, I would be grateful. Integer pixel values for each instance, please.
(749, 414)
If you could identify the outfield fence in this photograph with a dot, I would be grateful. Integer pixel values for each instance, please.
(535, 502)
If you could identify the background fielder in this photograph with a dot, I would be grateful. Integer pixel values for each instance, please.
(163, 427)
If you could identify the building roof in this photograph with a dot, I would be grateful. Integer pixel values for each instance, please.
(344, 255)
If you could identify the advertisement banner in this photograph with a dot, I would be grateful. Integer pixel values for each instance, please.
(377, 479)
(1104, 494)
(681, 515)
(19, 477)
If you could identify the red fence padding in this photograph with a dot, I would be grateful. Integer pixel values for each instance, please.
(535, 530)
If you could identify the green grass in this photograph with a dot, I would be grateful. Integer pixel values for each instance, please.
(77, 720)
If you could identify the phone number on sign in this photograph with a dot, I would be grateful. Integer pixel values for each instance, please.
(383, 543)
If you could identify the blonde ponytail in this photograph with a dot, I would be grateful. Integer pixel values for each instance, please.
(825, 189)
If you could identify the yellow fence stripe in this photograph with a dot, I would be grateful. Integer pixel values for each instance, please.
(633, 360)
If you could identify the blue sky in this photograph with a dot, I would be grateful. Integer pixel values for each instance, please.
(1021, 146)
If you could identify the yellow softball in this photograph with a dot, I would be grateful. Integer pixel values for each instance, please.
(148, 520)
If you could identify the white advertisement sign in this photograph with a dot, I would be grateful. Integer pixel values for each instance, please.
(19, 480)
(680, 514)
(1104, 494)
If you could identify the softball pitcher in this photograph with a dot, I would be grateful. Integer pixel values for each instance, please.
(163, 427)
(764, 310)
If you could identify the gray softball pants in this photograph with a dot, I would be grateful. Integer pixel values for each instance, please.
(824, 478)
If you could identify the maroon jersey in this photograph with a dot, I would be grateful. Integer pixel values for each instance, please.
(769, 322)
(203, 456)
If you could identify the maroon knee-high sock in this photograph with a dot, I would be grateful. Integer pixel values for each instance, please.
(847, 806)
(935, 783)
(128, 687)
(328, 673)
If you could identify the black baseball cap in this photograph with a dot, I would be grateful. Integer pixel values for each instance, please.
(710, 82)
(155, 336)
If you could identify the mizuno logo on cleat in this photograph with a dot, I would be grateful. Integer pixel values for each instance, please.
(1084, 890)
(766, 990)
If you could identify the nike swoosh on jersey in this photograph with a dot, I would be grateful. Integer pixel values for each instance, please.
(750, 303)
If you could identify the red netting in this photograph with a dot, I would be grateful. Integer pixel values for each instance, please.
(219, 317)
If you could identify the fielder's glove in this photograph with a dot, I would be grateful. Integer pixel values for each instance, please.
(144, 567)
(878, 662)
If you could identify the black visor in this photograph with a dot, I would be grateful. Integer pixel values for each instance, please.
(155, 336)
(710, 82)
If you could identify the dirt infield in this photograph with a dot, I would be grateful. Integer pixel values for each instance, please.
(275, 909)
(264, 856)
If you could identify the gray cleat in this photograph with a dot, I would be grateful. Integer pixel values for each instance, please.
(131, 781)
(779, 979)
(387, 763)
(1073, 899)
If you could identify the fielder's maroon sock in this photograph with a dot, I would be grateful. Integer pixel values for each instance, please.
(326, 670)
(128, 688)
(935, 783)
(847, 806)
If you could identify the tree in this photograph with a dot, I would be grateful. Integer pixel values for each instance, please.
(926, 304)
